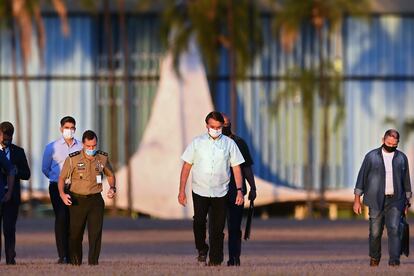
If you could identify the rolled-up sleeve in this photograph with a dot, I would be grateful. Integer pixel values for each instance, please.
(108, 170)
(188, 155)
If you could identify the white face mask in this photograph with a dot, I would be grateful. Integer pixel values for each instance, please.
(68, 133)
(214, 132)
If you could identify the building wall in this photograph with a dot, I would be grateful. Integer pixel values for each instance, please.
(378, 77)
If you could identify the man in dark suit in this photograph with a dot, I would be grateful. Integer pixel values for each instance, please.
(10, 208)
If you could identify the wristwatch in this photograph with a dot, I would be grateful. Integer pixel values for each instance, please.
(240, 189)
(113, 188)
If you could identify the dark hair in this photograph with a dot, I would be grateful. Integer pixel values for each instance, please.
(215, 115)
(392, 133)
(7, 128)
(90, 135)
(67, 119)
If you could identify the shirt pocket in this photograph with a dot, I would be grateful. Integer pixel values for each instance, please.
(221, 154)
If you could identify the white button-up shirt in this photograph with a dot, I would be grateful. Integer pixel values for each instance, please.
(211, 162)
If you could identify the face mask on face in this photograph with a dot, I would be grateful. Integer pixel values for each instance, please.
(90, 152)
(214, 132)
(389, 149)
(227, 130)
(68, 133)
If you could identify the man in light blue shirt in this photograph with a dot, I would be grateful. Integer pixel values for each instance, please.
(210, 157)
(54, 156)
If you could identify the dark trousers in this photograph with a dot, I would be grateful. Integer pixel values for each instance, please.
(61, 220)
(390, 216)
(234, 219)
(9, 213)
(215, 207)
(90, 210)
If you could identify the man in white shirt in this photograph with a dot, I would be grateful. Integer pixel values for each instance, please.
(210, 157)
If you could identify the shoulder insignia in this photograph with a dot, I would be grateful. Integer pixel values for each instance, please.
(102, 153)
(74, 153)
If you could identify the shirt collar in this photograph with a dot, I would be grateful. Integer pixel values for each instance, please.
(62, 141)
(83, 153)
(214, 140)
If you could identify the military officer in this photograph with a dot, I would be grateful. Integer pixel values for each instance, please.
(82, 173)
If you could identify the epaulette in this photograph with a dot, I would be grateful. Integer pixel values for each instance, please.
(74, 153)
(101, 152)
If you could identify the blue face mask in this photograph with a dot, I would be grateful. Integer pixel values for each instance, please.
(90, 152)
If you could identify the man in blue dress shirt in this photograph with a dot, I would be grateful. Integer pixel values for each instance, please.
(54, 156)
(210, 157)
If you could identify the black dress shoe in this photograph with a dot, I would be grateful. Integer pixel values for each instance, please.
(202, 257)
(12, 262)
(63, 260)
(210, 263)
(394, 263)
(233, 262)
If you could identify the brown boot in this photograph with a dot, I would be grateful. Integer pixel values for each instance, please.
(373, 262)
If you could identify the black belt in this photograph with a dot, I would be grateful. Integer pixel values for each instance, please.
(84, 196)
(53, 182)
(389, 196)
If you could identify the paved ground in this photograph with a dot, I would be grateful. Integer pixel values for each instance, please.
(155, 247)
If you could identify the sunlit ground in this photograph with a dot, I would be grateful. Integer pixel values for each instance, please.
(154, 247)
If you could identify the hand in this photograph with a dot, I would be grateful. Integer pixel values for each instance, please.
(239, 198)
(407, 206)
(111, 193)
(7, 197)
(66, 199)
(252, 195)
(357, 207)
(182, 198)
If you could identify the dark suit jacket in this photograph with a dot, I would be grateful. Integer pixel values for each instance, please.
(18, 159)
